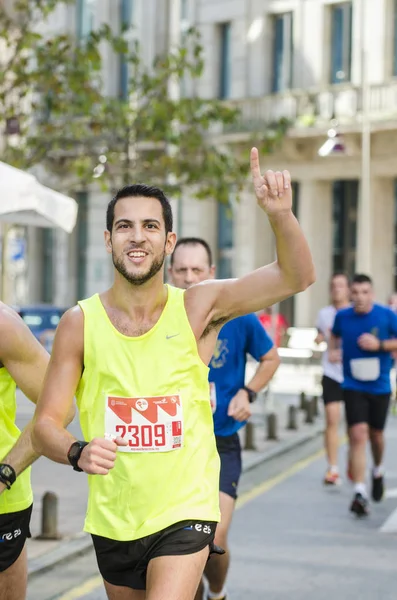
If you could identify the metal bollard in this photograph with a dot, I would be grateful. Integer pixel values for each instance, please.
(249, 437)
(49, 517)
(309, 411)
(292, 418)
(303, 401)
(271, 426)
(315, 406)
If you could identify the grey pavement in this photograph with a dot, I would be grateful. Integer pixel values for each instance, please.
(71, 487)
(298, 540)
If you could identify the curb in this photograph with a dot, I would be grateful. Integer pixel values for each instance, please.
(282, 448)
(75, 546)
(81, 543)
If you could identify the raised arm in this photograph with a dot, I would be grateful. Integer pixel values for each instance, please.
(293, 270)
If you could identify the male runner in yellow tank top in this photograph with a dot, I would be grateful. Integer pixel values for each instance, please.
(136, 357)
(23, 361)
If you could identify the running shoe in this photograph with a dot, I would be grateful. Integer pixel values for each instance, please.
(332, 478)
(359, 506)
(378, 488)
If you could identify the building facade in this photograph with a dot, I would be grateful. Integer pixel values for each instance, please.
(326, 66)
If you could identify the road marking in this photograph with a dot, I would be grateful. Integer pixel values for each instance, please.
(390, 525)
(86, 588)
(271, 483)
(391, 493)
(92, 584)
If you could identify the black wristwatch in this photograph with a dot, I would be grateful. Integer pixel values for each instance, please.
(7, 475)
(251, 394)
(74, 454)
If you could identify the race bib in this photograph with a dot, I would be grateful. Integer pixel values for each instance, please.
(213, 396)
(365, 369)
(152, 424)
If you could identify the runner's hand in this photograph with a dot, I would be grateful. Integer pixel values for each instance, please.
(335, 356)
(239, 407)
(273, 189)
(98, 457)
(368, 342)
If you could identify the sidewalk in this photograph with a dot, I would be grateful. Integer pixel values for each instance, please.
(71, 487)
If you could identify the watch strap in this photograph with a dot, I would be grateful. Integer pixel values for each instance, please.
(7, 475)
(74, 454)
(251, 394)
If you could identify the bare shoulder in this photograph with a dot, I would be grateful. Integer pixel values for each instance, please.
(13, 331)
(70, 332)
(73, 317)
(9, 317)
(201, 297)
(200, 302)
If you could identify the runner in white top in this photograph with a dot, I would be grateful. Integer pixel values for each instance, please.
(332, 375)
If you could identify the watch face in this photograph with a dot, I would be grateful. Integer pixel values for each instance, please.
(7, 472)
(75, 450)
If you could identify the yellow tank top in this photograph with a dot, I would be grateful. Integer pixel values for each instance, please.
(20, 495)
(153, 390)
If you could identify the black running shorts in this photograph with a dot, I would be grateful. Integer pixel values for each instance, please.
(229, 450)
(332, 391)
(361, 407)
(126, 563)
(14, 529)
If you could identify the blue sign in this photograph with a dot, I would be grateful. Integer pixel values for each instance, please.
(17, 249)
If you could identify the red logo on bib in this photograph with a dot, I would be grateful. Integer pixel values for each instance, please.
(147, 407)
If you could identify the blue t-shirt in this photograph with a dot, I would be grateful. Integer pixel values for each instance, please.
(373, 374)
(239, 337)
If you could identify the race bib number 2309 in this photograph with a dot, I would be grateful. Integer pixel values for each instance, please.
(152, 424)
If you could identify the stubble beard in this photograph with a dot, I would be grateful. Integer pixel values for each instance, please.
(142, 278)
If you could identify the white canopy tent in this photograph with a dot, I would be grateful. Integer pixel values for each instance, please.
(24, 201)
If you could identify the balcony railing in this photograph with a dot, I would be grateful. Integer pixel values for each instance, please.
(313, 108)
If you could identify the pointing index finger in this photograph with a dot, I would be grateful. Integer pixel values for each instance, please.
(255, 169)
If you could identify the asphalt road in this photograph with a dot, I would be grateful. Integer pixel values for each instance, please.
(290, 538)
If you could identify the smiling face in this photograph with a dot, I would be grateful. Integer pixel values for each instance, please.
(138, 242)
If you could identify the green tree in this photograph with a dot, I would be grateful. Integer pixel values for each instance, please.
(51, 93)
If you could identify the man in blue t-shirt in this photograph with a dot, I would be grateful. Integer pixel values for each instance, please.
(366, 331)
(231, 398)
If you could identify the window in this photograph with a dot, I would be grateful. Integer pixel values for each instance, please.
(184, 10)
(47, 244)
(345, 195)
(85, 17)
(282, 52)
(82, 243)
(395, 37)
(126, 22)
(225, 61)
(341, 42)
(225, 240)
